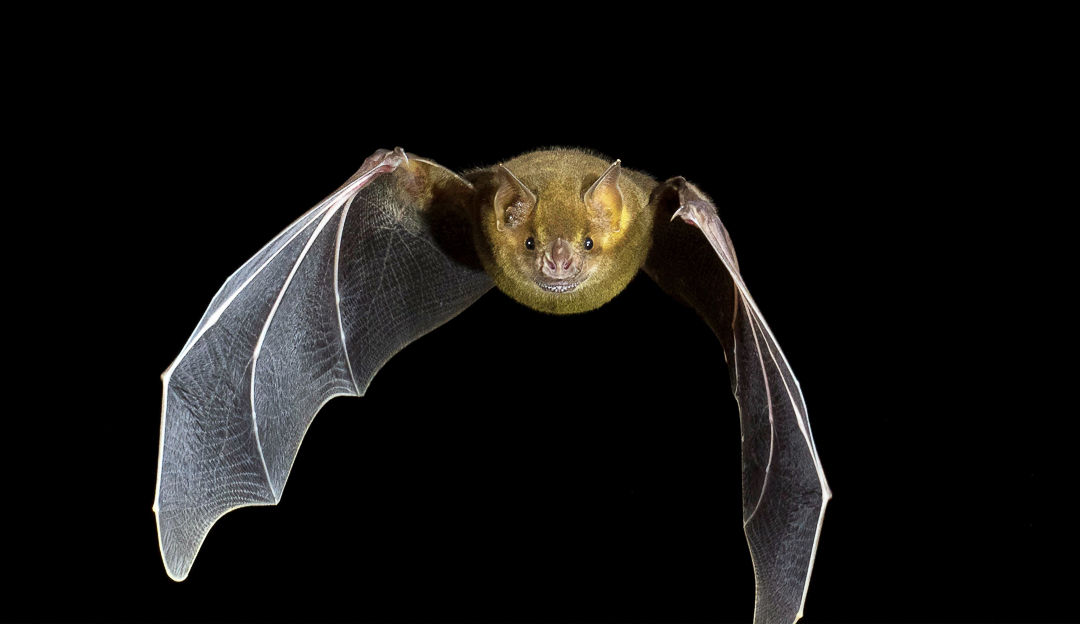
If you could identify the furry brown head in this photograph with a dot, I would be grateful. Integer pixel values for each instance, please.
(564, 231)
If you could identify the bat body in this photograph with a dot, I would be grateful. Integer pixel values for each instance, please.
(403, 246)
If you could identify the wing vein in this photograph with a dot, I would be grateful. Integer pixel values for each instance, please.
(216, 314)
(166, 377)
(266, 326)
(772, 429)
(825, 494)
(337, 290)
(766, 333)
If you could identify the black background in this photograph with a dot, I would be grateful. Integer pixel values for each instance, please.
(848, 176)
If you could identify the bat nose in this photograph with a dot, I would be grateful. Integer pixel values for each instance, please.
(559, 260)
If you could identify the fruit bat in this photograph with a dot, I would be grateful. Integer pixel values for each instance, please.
(404, 246)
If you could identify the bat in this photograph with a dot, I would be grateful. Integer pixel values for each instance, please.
(404, 246)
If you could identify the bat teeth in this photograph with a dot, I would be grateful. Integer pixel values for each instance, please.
(557, 288)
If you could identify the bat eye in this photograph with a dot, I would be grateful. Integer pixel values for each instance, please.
(529, 243)
(588, 244)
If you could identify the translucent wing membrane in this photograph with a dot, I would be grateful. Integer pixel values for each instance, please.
(784, 487)
(312, 316)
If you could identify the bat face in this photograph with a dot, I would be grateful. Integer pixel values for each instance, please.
(564, 232)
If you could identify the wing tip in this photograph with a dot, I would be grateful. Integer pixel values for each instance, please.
(179, 578)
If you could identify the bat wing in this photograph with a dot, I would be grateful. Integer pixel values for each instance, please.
(784, 488)
(313, 315)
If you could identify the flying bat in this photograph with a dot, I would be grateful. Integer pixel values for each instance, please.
(404, 246)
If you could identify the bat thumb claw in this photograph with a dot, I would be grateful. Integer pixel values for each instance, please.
(686, 212)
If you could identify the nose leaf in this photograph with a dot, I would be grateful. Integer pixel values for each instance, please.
(559, 260)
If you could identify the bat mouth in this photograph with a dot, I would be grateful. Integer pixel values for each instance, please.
(559, 286)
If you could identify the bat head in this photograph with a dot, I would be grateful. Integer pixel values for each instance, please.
(566, 230)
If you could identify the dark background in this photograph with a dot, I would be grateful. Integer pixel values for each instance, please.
(850, 176)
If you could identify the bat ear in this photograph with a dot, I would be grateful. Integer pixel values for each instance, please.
(514, 202)
(604, 200)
